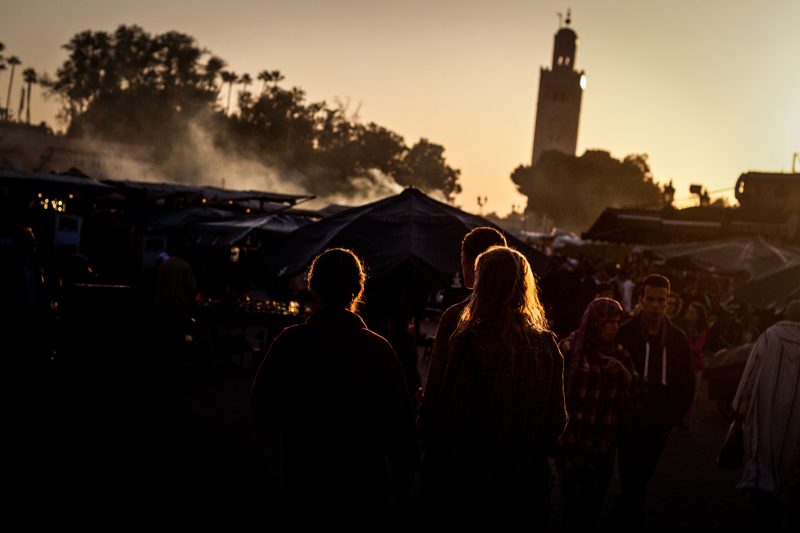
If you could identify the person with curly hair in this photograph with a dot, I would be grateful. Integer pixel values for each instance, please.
(338, 394)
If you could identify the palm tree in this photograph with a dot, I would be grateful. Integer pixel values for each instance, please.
(265, 76)
(244, 96)
(29, 75)
(2, 68)
(277, 76)
(13, 61)
(245, 80)
(213, 68)
(228, 77)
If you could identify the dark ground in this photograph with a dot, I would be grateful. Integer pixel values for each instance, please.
(121, 445)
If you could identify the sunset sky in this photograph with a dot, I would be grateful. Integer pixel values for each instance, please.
(708, 89)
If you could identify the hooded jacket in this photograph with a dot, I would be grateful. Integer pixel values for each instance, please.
(665, 365)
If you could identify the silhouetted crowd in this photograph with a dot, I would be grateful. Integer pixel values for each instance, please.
(516, 391)
(502, 398)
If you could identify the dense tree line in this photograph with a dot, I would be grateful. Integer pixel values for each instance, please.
(573, 191)
(131, 86)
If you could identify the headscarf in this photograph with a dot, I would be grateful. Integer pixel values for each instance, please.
(586, 340)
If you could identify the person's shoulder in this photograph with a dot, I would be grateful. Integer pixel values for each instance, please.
(565, 345)
(296, 331)
(784, 328)
(449, 320)
(454, 311)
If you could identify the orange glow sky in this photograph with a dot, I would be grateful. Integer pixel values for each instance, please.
(708, 89)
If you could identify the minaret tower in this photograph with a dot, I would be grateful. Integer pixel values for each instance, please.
(558, 109)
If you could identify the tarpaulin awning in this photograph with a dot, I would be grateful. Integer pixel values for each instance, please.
(773, 290)
(17, 176)
(163, 219)
(154, 191)
(409, 228)
(234, 231)
(753, 255)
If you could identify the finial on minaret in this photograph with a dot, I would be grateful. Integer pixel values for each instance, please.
(560, 20)
(569, 15)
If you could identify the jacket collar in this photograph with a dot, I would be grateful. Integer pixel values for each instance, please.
(340, 316)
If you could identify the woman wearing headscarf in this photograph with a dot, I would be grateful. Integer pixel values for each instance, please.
(601, 384)
(501, 404)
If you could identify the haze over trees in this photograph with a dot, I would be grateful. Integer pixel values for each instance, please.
(573, 191)
(134, 87)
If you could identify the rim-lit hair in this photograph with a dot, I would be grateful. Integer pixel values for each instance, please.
(505, 296)
(337, 279)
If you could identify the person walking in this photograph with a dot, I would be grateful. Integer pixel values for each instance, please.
(662, 357)
(768, 403)
(501, 405)
(338, 394)
(475, 243)
(601, 387)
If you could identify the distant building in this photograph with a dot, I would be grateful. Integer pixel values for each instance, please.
(36, 149)
(774, 191)
(558, 109)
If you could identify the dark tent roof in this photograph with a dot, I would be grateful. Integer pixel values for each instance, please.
(773, 290)
(233, 231)
(754, 255)
(161, 219)
(409, 228)
(17, 176)
(649, 226)
(153, 191)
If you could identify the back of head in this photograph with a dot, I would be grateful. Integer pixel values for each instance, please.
(337, 279)
(479, 240)
(505, 296)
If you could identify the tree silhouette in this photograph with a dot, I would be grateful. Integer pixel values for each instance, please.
(214, 66)
(133, 87)
(30, 77)
(244, 96)
(245, 80)
(229, 78)
(265, 76)
(13, 61)
(573, 191)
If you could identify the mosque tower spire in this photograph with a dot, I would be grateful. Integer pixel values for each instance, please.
(561, 86)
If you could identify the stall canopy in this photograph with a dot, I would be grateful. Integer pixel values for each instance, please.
(774, 290)
(407, 229)
(16, 177)
(156, 191)
(239, 230)
(165, 219)
(753, 255)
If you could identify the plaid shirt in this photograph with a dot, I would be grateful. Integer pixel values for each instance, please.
(498, 409)
(596, 401)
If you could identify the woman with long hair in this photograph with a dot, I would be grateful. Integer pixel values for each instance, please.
(696, 327)
(601, 385)
(501, 404)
